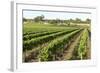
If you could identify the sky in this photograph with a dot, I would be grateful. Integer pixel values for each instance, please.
(54, 15)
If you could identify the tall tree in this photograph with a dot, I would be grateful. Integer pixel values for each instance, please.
(39, 18)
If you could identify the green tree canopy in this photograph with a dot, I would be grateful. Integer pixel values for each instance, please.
(39, 18)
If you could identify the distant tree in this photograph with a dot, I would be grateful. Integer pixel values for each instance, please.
(58, 21)
(71, 20)
(88, 20)
(52, 21)
(24, 19)
(39, 18)
(67, 22)
(55, 21)
(78, 20)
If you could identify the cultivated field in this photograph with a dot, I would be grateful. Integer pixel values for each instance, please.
(48, 42)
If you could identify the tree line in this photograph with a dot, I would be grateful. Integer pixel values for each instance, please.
(41, 18)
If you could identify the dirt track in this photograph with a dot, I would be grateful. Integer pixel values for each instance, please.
(69, 51)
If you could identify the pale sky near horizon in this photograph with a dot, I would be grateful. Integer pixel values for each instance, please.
(55, 15)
